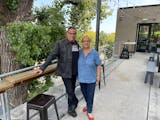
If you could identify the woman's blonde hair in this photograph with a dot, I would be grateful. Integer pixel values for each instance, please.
(86, 37)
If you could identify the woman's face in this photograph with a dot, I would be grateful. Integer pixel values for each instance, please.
(86, 43)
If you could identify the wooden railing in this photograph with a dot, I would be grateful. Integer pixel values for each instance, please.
(9, 80)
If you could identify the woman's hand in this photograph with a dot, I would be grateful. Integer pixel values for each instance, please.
(98, 79)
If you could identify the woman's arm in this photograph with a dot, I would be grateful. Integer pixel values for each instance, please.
(98, 78)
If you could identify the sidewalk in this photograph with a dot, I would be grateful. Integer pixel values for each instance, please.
(125, 96)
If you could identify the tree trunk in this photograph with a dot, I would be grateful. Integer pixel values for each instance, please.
(18, 94)
(22, 13)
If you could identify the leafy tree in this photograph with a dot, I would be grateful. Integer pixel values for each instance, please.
(49, 16)
(29, 41)
(106, 43)
(106, 38)
(24, 43)
(81, 12)
(13, 11)
(54, 19)
(102, 38)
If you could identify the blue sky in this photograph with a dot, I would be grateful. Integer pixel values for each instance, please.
(108, 25)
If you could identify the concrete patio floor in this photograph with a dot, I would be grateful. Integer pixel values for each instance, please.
(125, 96)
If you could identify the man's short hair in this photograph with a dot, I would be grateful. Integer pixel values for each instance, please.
(71, 27)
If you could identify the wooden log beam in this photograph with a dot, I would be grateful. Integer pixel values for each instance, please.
(10, 81)
(5, 85)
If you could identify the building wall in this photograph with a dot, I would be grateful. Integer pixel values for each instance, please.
(127, 21)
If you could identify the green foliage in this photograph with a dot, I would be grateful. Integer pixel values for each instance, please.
(106, 43)
(12, 5)
(29, 41)
(102, 38)
(39, 86)
(49, 16)
(106, 38)
(33, 42)
(110, 38)
(54, 18)
(105, 11)
(81, 13)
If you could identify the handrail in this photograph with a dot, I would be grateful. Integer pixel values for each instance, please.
(29, 75)
(22, 75)
(22, 70)
(18, 71)
(5, 85)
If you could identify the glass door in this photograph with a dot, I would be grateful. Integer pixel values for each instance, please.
(143, 37)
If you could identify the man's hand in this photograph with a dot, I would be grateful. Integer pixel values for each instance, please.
(37, 71)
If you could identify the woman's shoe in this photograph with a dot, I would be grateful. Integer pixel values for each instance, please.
(90, 117)
(84, 109)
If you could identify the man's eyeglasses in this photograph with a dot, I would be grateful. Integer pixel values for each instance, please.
(72, 33)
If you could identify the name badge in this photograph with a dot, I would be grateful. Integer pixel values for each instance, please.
(75, 48)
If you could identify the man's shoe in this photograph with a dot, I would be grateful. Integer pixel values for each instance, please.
(145, 81)
(72, 113)
(75, 106)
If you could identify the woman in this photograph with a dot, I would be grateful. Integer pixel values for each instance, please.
(89, 68)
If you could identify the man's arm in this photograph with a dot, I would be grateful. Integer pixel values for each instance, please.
(54, 53)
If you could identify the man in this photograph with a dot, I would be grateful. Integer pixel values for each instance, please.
(67, 51)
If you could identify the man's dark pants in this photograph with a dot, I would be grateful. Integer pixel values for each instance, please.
(70, 84)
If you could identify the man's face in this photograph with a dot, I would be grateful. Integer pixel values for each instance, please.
(71, 35)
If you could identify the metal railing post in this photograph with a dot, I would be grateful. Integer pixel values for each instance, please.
(4, 97)
(5, 106)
